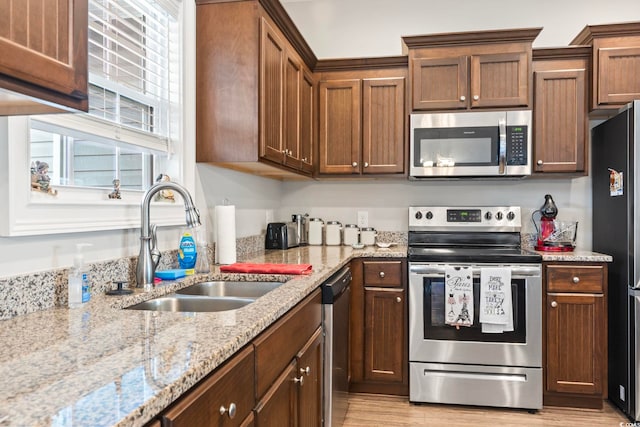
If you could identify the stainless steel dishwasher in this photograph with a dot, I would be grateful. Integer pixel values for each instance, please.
(336, 295)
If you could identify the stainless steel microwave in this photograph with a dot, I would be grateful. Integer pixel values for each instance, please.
(470, 144)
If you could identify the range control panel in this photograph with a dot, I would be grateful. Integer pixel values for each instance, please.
(446, 218)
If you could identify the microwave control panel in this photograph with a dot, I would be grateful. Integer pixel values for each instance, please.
(517, 145)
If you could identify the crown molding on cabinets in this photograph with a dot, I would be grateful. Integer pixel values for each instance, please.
(588, 33)
(466, 38)
(565, 52)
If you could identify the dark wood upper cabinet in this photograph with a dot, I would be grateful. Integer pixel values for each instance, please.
(560, 110)
(615, 61)
(362, 118)
(43, 54)
(255, 92)
(485, 69)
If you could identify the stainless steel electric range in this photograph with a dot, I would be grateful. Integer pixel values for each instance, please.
(466, 265)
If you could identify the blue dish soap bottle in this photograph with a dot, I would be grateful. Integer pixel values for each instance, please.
(187, 251)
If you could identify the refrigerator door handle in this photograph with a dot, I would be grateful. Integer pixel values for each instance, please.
(635, 380)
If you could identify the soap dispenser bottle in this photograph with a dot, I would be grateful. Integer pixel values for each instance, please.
(79, 286)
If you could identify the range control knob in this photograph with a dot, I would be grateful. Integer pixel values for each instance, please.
(429, 215)
(511, 216)
(418, 215)
(499, 216)
(488, 216)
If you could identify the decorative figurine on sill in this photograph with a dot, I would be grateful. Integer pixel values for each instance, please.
(115, 194)
(40, 180)
(164, 195)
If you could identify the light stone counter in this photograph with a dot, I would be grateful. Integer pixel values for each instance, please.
(100, 365)
(575, 256)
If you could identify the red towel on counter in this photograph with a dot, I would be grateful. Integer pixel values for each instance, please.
(240, 267)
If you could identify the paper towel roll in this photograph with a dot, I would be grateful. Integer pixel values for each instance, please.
(225, 234)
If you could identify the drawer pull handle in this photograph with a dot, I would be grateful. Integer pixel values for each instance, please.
(299, 380)
(231, 411)
(398, 299)
(381, 274)
(575, 279)
(554, 304)
(306, 371)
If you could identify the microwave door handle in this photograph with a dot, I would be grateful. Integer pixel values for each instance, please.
(502, 158)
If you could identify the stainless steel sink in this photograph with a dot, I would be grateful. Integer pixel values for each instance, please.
(174, 302)
(228, 289)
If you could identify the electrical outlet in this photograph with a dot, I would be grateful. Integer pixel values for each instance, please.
(363, 219)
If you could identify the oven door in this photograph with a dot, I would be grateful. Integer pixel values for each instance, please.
(431, 340)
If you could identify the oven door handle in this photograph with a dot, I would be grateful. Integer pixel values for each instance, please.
(434, 271)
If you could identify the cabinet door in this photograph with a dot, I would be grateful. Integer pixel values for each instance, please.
(384, 334)
(383, 125)
(278, 406)
(618, 70)
(272, 65)
(43, 49)
(440, 83)
(292, 86)
(307, 111)
(500, 80)
(560, 121)
(310, 391)
(575, 344)
(340, 114)
(230, 385)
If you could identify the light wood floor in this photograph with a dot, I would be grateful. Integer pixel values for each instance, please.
(391, 411)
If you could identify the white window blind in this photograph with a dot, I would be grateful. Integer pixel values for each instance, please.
(134, 68)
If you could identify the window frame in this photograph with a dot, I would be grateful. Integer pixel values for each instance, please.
(77, 209)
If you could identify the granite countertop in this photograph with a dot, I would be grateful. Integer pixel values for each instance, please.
(100, 365)
(577, 255)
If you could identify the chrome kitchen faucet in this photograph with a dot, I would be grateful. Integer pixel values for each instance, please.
(149, 253)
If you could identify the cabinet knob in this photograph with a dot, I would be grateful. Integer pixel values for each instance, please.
(306, 371)
(554, 304)
(366, 164)
(476, 97)
(540, 162)
(304, 159)
(231, 411)
(354, 164)
(381, 274)
(299, 380)
(398, 299)
(463, 98)
(284, 151)
(575, 279)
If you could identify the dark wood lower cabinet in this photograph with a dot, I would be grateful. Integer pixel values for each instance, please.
(379, 336)
(575, 339)
(281, 370)
(278, 406)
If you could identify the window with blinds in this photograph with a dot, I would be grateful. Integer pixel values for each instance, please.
(134, 100)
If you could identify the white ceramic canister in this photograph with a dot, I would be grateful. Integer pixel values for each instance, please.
(350, 234)
(315, 231)
(332, 236)
(368, 236)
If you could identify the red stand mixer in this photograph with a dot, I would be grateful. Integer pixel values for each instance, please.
(553, 235)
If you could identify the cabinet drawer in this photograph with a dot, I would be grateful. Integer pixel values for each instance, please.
(383, 273)
(230, 384)
(584, 278)
(278, 345)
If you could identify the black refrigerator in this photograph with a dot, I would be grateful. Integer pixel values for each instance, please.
(615, 172)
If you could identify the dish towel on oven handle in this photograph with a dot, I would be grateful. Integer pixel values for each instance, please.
(458, 286)
(496, 306)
